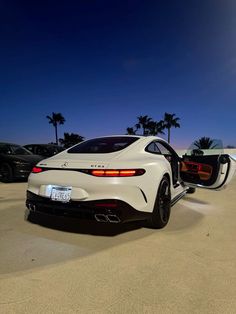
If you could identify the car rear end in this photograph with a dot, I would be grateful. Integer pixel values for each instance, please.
(99, 186)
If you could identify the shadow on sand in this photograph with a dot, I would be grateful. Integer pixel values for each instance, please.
(74, 225)
(195, 200)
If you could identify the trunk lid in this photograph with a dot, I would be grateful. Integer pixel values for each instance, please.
(79, 161)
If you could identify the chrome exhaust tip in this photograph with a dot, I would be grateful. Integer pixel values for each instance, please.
(113, 218)
(101, 217)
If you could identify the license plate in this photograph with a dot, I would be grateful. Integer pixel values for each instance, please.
(61, 194)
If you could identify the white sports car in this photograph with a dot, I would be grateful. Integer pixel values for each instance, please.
(122, 178)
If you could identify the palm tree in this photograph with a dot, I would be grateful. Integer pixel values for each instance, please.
(143, 122)
(169, 122)
(149, 126)
(56, 119)
(70, 139)
(131, 131)
(155, 128)
(205, 143)
(158, 128)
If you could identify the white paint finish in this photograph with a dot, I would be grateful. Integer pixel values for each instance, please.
(88, 188)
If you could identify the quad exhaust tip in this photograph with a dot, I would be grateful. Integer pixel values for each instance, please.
(101, 217)
(113, 218)
(107, 218)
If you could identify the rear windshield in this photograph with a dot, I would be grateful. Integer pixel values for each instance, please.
(103, 145)
(54, 149)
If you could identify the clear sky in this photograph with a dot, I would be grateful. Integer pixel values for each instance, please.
(102, 63)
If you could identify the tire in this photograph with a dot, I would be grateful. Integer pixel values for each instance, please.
(191, 190)
(162, 207)
(6, 173)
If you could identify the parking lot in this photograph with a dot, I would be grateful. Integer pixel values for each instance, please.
(55, 265)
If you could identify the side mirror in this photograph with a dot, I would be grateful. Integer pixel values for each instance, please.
(224, 159)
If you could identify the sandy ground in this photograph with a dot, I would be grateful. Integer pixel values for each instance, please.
(64, 266)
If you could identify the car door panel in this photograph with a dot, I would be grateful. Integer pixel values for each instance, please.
(207, 171)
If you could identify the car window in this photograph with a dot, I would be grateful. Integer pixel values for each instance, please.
(157, 147)
(39, 150)
(19, 150)
(153, 148)
(5, 149)
(54, 149)
(206, 146)
(29, 147)
(163, 149)
(103, 145)
(59, 149)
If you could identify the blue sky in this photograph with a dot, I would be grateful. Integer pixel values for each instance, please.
(103, 63)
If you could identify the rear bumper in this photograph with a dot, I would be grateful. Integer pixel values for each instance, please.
(85, 209)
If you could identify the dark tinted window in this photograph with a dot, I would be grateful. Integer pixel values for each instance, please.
(12, 149)
(29, 147)
(5, 149)
(153, 148)
(103, 145)
(41, 150)
(50, 150)
(19, 150)
(162, 148)
(55, 149)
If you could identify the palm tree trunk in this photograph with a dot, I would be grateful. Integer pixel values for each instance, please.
(168, 135)
(56, 134)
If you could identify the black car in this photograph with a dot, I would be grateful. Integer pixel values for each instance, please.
(45, 150)
(16, 162)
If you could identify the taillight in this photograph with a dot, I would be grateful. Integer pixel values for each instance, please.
(117, 172)
(37, 170)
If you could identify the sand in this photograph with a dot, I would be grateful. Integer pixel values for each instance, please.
(67, 266)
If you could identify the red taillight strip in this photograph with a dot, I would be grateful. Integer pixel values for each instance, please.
(117, 172)
(128, 173)
(97, 172)
(37, 170)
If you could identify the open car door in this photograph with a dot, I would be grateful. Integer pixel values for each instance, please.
(207, 168)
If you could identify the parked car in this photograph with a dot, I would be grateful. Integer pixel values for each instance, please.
(122, 178)
(16, 162)
(45, 150)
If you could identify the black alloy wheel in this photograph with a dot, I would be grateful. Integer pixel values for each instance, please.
(6, 173)
(162, 207)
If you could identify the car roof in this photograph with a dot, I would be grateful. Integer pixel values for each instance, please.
(127, 135)
(6, 143)
(42, 145)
